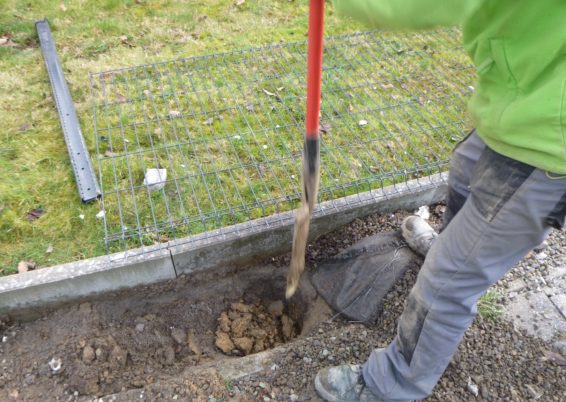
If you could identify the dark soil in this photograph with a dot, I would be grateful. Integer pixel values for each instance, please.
(158, 343)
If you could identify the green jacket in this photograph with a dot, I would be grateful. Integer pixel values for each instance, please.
(519, 49)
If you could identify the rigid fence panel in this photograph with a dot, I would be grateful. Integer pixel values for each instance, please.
(228, 130)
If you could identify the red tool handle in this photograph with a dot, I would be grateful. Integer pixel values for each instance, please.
(314, 73)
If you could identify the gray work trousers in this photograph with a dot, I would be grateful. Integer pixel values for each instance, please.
(497, 210)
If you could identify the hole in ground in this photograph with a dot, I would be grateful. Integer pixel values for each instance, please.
(128, 339)
(262, 319)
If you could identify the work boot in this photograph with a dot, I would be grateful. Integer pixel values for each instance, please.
(418, 234)
(343, 384)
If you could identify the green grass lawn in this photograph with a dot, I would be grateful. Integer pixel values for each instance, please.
(104, 35)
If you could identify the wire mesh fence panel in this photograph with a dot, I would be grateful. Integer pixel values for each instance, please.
(228, 130)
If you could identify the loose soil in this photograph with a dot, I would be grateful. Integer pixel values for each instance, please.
(245, 328)
(161, 342)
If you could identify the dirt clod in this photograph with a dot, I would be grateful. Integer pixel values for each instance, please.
(179, 335)
(223, 342)
(245, 344)
(168, 355)
(252, 328)
(88, 354)
(287, 327)
(194, 344)
(118, 356)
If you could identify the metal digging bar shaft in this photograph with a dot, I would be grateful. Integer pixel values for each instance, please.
(84, 175)
(311, 156)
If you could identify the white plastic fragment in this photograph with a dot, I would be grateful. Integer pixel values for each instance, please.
(81, 217)
(4, 339)
(265, 147)
(473, 388)
(362, 122)
(55, 364)
(237, 137)
(423, 212)
(155, 179)
(100, 214)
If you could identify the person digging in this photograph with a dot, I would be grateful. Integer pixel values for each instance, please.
(506, 186)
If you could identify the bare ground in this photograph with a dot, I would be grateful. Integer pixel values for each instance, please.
(158, 343)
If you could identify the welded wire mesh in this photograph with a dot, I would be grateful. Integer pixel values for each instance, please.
(228, 128)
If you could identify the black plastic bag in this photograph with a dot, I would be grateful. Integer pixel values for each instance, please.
(355, 281)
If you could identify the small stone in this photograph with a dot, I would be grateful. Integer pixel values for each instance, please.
(140, 327)
(49, 249)
(88, 354)
(325, 352)
(423, 212)
(179, 335)
(155, 179)
(169, 355)
(541, 247)
(25, 266)
(276, 308)
(293, 397)
(534, 391)
(101, 354)
(29, 379)
(541, 256)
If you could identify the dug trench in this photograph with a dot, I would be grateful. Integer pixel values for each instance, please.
(187, 340)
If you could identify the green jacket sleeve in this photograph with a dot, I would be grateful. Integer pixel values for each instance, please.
(408, 14)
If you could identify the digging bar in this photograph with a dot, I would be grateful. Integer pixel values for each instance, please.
(80, 160)
(311, 155)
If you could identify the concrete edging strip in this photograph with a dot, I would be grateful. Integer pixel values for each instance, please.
(23, 294)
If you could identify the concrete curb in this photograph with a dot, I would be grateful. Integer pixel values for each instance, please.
(29, 294)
